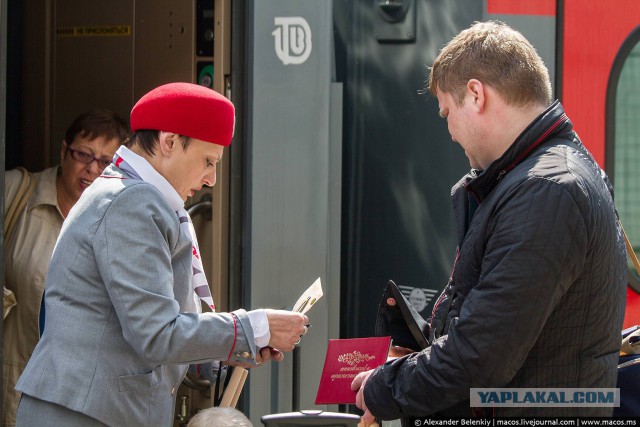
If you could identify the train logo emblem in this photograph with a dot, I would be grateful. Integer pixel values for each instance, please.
(292, 39)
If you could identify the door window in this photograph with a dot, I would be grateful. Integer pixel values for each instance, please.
(627, 146)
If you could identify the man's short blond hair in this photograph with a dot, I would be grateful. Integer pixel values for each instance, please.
(496, 55)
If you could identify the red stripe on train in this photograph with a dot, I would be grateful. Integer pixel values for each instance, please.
(522, 7)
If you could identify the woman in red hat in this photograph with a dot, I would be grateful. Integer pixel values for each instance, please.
(124, 291)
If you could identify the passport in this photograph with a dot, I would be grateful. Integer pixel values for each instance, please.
(345, 359)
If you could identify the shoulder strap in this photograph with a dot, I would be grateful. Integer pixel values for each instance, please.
(630, 251)
(27, 185)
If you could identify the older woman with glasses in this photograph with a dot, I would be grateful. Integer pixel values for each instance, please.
(89, 145)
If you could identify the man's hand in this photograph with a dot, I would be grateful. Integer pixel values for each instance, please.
(286, 328)
(396, 351)
(358, 384)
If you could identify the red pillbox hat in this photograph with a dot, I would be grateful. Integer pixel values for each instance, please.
(187, 109)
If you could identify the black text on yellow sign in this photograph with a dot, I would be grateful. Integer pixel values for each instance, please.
(101, 30)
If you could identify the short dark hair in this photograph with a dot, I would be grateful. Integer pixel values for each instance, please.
(96, 123)
(148, 140)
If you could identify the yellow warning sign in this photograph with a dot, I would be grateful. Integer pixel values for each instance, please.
(101, 30)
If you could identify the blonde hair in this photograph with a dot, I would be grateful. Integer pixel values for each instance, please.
(496, 55)
(220, 417)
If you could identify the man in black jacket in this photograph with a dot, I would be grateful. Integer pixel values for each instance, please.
(537, 293)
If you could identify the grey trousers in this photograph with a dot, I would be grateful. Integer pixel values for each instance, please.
(36, 412)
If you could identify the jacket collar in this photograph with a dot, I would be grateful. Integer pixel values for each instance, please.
(549, 124)
(45, 192)
(147, 173)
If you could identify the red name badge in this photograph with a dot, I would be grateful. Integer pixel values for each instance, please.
(345, 359)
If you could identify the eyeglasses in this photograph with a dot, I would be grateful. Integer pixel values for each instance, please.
(86, 158)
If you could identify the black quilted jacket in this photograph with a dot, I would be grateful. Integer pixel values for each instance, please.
(537, 293)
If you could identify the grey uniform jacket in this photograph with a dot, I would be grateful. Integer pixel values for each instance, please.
(537, 293)
(121, 318)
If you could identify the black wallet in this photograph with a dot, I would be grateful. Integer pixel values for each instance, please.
(402, 322)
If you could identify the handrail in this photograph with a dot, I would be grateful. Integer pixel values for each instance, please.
(203, 207)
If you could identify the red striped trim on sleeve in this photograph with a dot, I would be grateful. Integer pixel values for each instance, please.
(235, 335)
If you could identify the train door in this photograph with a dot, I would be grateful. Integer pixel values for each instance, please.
(77, 55)
(623, 146)
(623, 153)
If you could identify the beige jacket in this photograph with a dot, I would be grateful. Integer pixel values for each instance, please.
(26, 259)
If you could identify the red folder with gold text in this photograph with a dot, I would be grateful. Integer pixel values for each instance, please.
(345, 359)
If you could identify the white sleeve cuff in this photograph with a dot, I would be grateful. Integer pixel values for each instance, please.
(260, 325)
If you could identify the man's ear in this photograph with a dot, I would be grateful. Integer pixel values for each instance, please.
(476, 90)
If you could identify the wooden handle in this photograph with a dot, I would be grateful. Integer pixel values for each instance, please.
(236, 395)
(236, 382)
